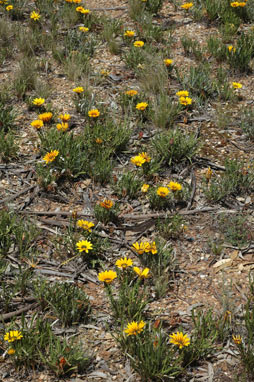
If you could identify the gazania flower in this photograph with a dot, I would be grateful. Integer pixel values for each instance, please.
(93, 113)
(82, 10)
(9, 8)
(129, 33)
(62, 126)
(38, 101)
(107, 203)
(141, 106)
(237, 85)
(134, 328)
(242, 4)
(35, 16)
(185, 101)
(64, 117)
(107, 276)
(11, 351)
(237, 339)
(208, 174)
(86, 225)
(138, 44)
(182, 93)
(138, 160)
(168, 61)
(179, 339)
(140, 248)
(174, 186)
(145, 188)
(162, 192)
(76, 1)
(153, 248)
(231, 48)
(187, 5)
(78, 89)
(124, 263)
(13, 335)
(37, 123)
(146, 157)
(131, 93)
(98, 141)
(51, 156)
(83, 29)
(234, 4)
(143, 274)
(45, 117)
(84, 246)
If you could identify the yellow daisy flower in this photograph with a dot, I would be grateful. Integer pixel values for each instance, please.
(182, 93)
(62, 126)
(37, 123)
(168, 61)
(179, 339)
(35, 16)
(38, 101)
(138, 44)
(237, 85)
(45, 117)
(107, 276)
(51, 156)
(124, 263)
(84, 246)
(162, 192)
(237, 339)
(131, 93)
(174, 186)
(145, 188)
(64, 117)
(138, 160)
(86, 225)
(143, 274)
(187, 5)
(12, 336)
(129, 33)
(134, 328)
(78, 89)
(107, 203)
(141, 106)
(93, 113)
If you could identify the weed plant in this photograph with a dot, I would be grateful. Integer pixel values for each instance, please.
(236, 180)
(247, 122)
(174, 146)
(171, 227)
(129, 184)
(39, 346)
(67, 301)
(236, 229)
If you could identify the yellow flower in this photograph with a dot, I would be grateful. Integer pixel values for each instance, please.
(124, 263)
(12, 336)
(45, 117)
(76, 1)
(237, 339)
(242, 4)
(38, 101)
(138, 160)
(146, 157)
(179, 339)
(141, 106)
(64, 117)
(168, 61)
(62, 126)
(153, 248)
(98, 141)
(140, 248)
(134, 328)
(131, 93)
(9, 8)
(11, 351)
(35, 16)
(51, 156)
(107, 276)
(86, 225)
(37, 123)
(84, 246)
(163, 192)
(231, 48)
(78, 89)
(174, 186)
(82, 10)
(145, 188)
(182, 93)
(142, 274)
(237, 85)
(84, 29)
(93, 113)
(185, 101)
(208, 174)
(129, 33)
(107, 203)
(234, 4)
(104, 73)
(138, 44)
(187, 5)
